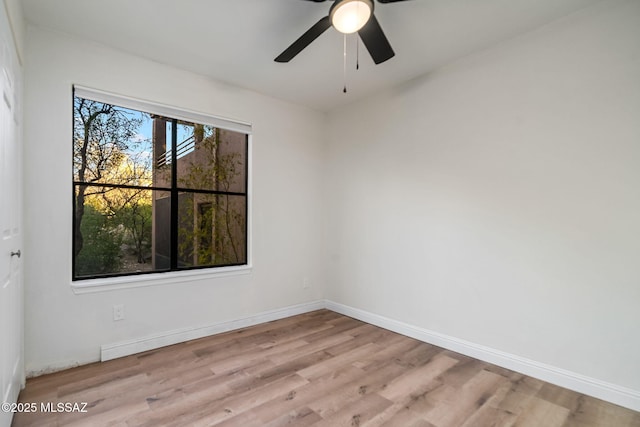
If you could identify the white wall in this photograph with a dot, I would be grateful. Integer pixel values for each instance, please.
(497, 200)
(63, 329)
(16, 24)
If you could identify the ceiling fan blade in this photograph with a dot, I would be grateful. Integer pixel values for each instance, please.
(305, 40)
(380, 1)
(375, 41)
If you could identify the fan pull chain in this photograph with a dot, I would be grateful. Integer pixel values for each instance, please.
(357, 53)
(344, 63)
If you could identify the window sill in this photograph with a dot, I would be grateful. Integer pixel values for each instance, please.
(139, 281)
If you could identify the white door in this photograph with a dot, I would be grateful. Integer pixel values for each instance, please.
(11, 293)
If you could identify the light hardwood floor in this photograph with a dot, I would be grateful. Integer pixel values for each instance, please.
(320, 369)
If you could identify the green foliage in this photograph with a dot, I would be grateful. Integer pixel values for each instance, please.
(102, 240)
(211, 227)
(136, 218)
(108, 219)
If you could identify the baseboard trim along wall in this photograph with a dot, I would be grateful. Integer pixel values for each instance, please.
(582, 384)
(126, 348)
(600, 389)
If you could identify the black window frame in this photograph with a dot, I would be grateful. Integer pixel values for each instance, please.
(174, 190)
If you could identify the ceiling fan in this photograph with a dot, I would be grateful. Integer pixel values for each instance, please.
(347, 16)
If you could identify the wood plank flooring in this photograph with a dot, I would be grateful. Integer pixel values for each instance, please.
(316, 369)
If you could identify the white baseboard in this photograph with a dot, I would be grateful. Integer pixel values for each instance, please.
(600, 389)
(126, 348)
(590, 386)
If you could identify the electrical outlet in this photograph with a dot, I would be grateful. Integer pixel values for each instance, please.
(305, 283)
(118, 312)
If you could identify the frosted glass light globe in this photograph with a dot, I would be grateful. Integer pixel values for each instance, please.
(350, 16)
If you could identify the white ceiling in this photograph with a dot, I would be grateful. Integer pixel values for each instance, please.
(235, 41)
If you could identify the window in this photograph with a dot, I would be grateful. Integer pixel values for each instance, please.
(155, 189)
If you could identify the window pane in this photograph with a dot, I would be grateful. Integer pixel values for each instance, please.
(211, 159)
(161, 247)
(114, 145)
(115, 230)
(212, 230)
(161, 136)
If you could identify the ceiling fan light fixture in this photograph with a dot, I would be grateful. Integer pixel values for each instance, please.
(349, 16)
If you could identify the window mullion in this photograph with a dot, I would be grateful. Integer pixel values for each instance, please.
(174, 194)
